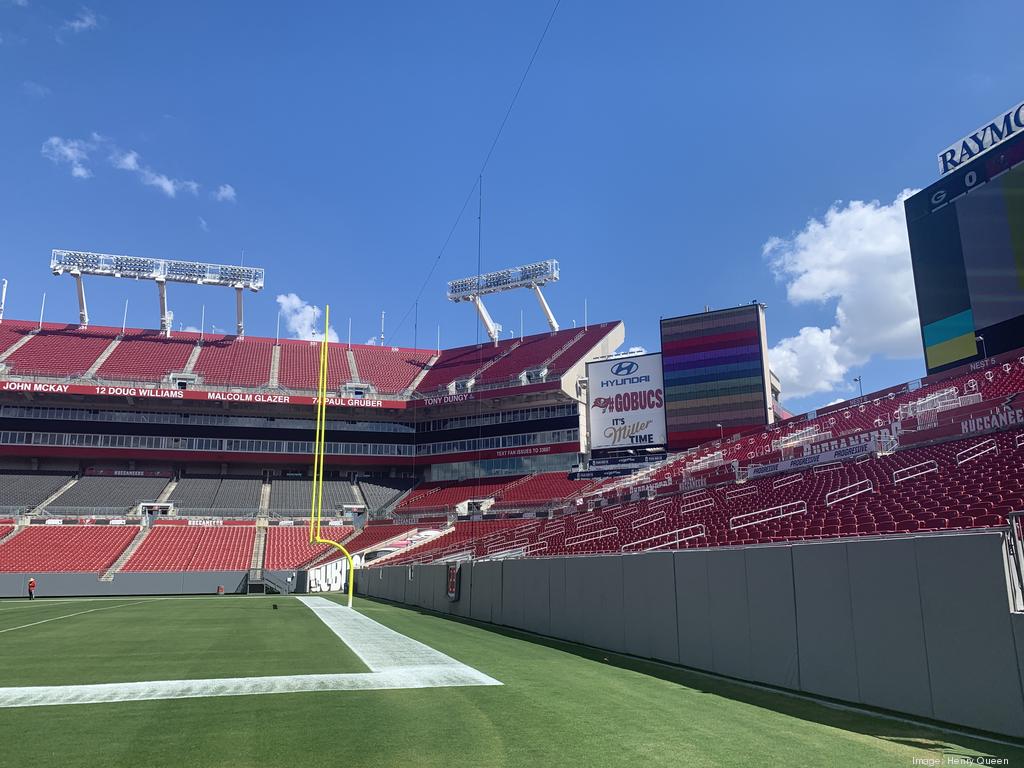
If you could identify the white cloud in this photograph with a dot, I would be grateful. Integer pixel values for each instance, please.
(858, 255)
(203, 225)
(83, 22)
(76, 153)
(191, 329)
(225, 194)
(127, 161)
(72, 152)
(132, 161)
(35, 90)
(302, 319)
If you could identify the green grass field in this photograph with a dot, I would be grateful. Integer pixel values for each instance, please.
(559, 705)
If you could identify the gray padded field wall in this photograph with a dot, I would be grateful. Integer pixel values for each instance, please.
(89, 585)
(918, 625)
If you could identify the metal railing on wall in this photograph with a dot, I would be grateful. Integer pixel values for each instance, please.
(1015, 554)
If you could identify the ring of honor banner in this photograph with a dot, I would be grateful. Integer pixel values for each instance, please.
(626, 403)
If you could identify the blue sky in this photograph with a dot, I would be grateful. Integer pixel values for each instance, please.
(669, 155)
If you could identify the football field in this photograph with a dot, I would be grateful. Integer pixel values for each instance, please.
(234, 681)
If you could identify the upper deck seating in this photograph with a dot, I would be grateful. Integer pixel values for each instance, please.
(29, 489)
(147, 356)
(300, 365)
(390, 369)
(60, 351)
(113, 493)
(235, 362)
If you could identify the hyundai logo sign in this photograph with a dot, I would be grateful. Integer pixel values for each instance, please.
(625, 368)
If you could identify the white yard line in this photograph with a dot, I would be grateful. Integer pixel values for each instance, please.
(22, 602)
(71, 615)
(395, 662)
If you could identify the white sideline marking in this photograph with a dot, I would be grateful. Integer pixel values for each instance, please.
(395, 662)
(70, 615)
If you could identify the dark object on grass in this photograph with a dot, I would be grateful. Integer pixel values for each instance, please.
(275, 606)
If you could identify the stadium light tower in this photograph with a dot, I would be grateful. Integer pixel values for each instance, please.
(529, 276)
(161, 271)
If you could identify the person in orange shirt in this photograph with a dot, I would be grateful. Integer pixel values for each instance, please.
(31, 588)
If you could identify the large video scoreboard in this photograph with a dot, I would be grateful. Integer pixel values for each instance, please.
(967, 247)
(716, 374)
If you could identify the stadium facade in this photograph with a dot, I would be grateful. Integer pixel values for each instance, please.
(75, 399)
(869, 552)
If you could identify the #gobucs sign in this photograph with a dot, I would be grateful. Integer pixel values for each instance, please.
(454, 576)
(626, 402)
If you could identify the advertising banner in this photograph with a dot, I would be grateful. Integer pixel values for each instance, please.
(814, 459)
(626, 402)
(329, 577)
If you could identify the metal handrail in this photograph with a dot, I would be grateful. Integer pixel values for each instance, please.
(1015, 550)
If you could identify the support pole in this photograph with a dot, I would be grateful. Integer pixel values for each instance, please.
(493, 329)
(83, 310)
(166, 316)
(239, 313)
(552, 323)
(3, 299)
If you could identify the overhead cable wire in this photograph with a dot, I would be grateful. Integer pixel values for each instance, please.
(483, 167)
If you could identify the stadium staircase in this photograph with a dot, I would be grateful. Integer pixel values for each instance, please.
(259, 547)
(390, 507)
(494, 360)
(275, 367)
(419, 376)
(558, 352)
(165, 494)
(57, 494)
(12, 533)
(265, 498)
(17, 345)
(514, 483)
(193, 358)
(357, 493)
(352, 367)
(91, 373)
(255, 583)
(128, 552)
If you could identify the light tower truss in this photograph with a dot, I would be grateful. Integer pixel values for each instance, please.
(532, 276)
(161, 271)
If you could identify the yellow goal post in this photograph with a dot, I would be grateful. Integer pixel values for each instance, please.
(319, 449)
